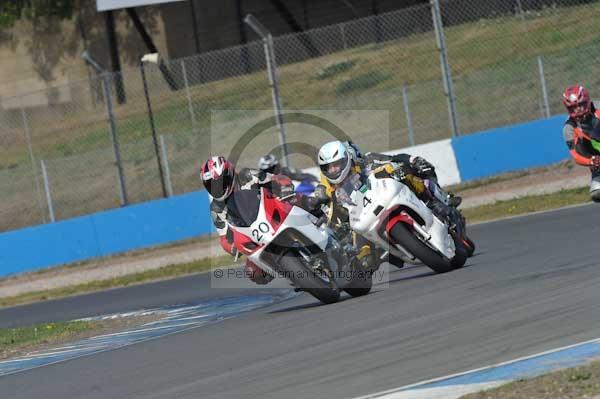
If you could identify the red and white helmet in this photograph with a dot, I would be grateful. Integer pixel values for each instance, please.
(576, 100)
(218, 176)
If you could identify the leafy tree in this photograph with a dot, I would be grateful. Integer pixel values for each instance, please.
(12, 10)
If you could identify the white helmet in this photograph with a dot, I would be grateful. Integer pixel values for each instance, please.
(335, 161)
(267, 162)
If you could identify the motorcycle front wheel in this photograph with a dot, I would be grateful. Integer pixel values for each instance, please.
(307, 279)
(401, 235)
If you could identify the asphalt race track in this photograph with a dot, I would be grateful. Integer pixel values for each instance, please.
(183, 290)
(534, 285)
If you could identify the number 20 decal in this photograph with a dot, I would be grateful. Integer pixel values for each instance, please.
(263, 228)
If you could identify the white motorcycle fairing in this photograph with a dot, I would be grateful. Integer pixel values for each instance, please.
(370, 204)
(276, 218)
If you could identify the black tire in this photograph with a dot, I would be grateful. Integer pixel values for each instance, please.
(362, 284)
(436, 262)
(469, 245)
(461, 255)
(305, 279)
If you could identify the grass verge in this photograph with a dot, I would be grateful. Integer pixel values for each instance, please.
(578, 382)
(14, 340)
(528, 204)
(122, 281)
(22, 340)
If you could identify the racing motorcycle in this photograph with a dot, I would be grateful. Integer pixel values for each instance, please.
(383, 209)
(284, 239)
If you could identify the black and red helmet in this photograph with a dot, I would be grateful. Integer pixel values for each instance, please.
(577, 102)
(218, 176)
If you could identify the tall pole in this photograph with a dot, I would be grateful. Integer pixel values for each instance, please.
(114, 55)
(114, 139)
(165, 155)
(48, 194)
(32, 158)
(446, 72)
(544, 87)
(409, 123)
(153, 129)
(111, 122)
(272, 71)
(188, 95)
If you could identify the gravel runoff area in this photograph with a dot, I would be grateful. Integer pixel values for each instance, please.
(512, 185)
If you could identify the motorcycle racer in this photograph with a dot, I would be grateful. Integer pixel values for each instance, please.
(221, 180)
(581, 133)
(340, 161)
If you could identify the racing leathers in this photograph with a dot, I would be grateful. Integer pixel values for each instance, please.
(583, 140)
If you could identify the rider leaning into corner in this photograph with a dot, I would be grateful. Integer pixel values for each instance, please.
(582, 133)
(221, 181)
(340, 161)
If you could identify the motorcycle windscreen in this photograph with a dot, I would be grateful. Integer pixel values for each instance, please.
(243, 207)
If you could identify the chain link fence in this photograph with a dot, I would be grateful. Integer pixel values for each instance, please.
(509, 61)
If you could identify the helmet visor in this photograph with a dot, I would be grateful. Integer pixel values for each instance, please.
(334, 169)
(578, 110)
(217, 188)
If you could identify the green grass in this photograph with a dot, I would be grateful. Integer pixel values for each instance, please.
(529, 204)
(361, 82)
(572, 383)
(335, 68)
(15, 338)
(123, 281)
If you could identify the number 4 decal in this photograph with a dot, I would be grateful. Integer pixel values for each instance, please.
(366, 201)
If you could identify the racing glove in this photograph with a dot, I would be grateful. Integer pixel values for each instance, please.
(282, 186)
(422, 166)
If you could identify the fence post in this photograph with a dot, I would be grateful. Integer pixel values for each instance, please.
(409, 124)
(343, 33)
(36, 179)
(165, 159)
(544, 88)
(153, 130)
(272, 70)
(115, 140)
(48, 194)
(446, 72)
(520, 10)
(188, 94)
